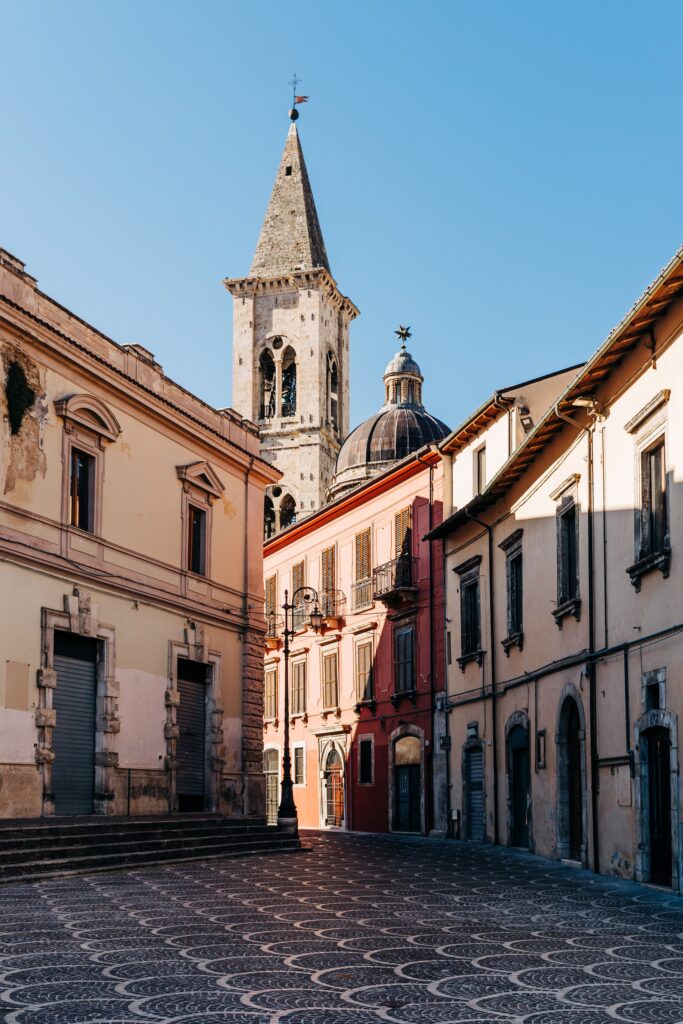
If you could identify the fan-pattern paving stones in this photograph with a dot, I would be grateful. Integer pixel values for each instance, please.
(359, 930)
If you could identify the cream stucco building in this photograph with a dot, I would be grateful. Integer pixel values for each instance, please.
(565, 610)
(130, 584)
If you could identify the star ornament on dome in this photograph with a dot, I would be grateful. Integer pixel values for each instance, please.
(403, 333)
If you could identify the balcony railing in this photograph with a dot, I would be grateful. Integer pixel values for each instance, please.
(361, 594)
(332, 604)
(396, 579)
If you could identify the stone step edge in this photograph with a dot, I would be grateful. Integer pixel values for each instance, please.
(291, 846)
(66, 852)
(133, 835)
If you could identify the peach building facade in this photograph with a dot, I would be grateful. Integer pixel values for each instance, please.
(564, 595)
(131, 583)
(365, 692)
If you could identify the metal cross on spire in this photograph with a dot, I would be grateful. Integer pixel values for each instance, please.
(294, 82)
(296, 98)
(403, 333)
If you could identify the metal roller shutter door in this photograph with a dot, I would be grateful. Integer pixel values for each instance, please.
(475, 794)
(191, 744)
(73, 771)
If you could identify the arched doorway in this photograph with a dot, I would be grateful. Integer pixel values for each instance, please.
(657, 755)
(519, 780)
(334, 789)
(271, 768)
(571, 781)
(407, 789)
(473, 776)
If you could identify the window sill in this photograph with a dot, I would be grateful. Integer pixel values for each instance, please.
(657, 560)
(362, 607)
(571, 607)
(465, 659)
(299, 717)
(513, 640)
(369, 704)
(271, 721)
(400, 695)
(331, 711)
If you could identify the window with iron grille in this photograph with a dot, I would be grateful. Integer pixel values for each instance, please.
(365, 761)
(330, 680)
(270, 695)
(364, 680)
(299, 687)
(404, 659)
(299, 769)
(362, 590)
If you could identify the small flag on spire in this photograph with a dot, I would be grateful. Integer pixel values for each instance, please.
(301, 99)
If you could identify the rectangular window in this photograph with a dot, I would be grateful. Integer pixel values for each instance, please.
(329, 577)
(402, 533)
(404, 658)
(480, 469)
(362, 589)
(330, 681)
(299, 770)
(196, 540)
(299, 688)
(299, 611)
(653, 501)
(364, 682)
(270, 695)
(568, 578)
(514, 581)
(271, 594)
(365, 765)
(82, 490)
(470, 629)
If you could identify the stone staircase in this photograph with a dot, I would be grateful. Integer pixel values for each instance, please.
(56, 847)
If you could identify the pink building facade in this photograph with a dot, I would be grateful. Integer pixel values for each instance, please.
(365, 691)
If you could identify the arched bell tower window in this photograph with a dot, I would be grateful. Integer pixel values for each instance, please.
(287, 512)
(268, 518)
(332, 391)
(289, 382)
(267, 385)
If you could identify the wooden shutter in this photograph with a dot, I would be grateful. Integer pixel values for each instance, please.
(404, 660)
(364, 689)
(271, 594)
(270, 695)
(402, 532)
(362, 556)
(330, 689)
(297, 576)
(328, 570)
(299, 688)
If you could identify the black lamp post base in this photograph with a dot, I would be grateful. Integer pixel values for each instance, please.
(288, 825)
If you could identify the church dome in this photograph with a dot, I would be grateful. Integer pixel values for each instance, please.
(402, 426)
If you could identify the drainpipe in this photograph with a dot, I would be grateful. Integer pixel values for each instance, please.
(494, 708)
(591, 406)
(506, 405)
(430, 816)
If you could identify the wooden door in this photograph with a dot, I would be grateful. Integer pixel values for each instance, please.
(518, 742)
(573, 782)
(334, 790)
(659, 805)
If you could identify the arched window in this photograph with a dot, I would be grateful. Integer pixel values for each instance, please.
(332, 390)
(267, 385)
(289, 382)
(287, 512)
(268, 518)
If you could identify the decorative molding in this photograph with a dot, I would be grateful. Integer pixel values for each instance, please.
(571, 481)
(468, 565)
(660, 399)
(201, 476)
(512, 540)
(657, 560)
(91, 413)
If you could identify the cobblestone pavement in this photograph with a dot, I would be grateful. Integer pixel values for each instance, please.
(359, 930)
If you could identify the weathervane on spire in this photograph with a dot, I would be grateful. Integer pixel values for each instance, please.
(403, 333)
(294, 113)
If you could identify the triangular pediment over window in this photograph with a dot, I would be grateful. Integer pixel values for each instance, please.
(91, 413)
(201, 476)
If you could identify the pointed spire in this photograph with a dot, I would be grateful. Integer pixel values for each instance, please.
(290, 238)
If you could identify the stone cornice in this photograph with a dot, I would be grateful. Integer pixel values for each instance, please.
(249, 287)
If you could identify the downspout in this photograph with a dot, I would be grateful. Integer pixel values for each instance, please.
(245, 606)
(506, 405)
(494, 706)
(430, 816)
(592, 680)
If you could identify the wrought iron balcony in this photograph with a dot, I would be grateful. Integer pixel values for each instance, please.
(361, 594)
(332, 604)
(396, 581)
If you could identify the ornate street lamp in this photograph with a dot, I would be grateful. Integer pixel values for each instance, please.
(302, 597)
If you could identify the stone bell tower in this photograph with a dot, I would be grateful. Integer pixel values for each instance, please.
(290, 370)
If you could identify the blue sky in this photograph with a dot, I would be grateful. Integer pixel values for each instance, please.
(505, 177)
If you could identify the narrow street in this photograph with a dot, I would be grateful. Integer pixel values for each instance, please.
(359, 929)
